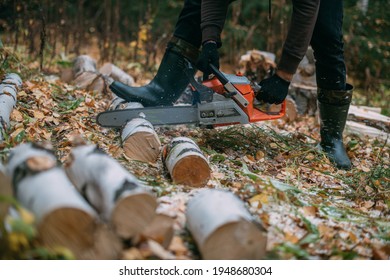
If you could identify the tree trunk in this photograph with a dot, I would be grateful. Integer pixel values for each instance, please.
(63, 216)
(86, 75)
(116, 73)
(116, 194)
(9, 88)
(223, 228)
(185, 162)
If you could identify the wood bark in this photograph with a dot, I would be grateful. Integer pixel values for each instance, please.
(115, 193)
(223, 228)
(116, 73)
(9, 88)
(86, 75)
(360, 129)
(64, 218)
(140, 141)
(373, 119)
(186, 163)
(5, 191)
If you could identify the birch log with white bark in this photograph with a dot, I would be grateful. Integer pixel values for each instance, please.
(64, 218)
(5, 191)
(86, 75)
(115, 193)
(116, 73)
(186, 163)
(9, 88)
(139, 139)
(223, 228)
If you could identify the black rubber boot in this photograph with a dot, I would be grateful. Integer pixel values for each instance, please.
(334, 106)
(170, 80)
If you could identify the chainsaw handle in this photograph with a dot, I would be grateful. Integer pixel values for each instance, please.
(221, 77)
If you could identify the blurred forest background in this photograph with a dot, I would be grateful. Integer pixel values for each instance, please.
(136, 32)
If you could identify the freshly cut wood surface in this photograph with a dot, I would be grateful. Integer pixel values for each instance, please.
(140, 141)
(186, 163)
(63, 216)
(223, 228)
(115, 193)
(86, 75)
(160, 230)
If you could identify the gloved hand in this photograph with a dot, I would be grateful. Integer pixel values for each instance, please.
(209, 54)
(273, 90)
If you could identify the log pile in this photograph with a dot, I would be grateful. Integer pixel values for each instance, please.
(116, 195)
(186, 163)
(9, 88)
(223, 228)
(366, 121)
(63, 217)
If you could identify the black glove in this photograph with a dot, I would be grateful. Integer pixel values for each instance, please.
(273, 90)
(208, 55)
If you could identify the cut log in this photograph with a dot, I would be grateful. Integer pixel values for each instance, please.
(5, 191)
(64, 218)
(119, 104)
(116, 194)
(82, 64)
(86, 75)
(186, 163)
(160, 230)
(305, 98)
(374, 119)
(140, 141)
(223, 228)
(116, 73)
(291, 110)
(9, 88)
(364, 130)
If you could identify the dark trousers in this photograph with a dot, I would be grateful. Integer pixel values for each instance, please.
(327, 39)
(188, 24)
(328, 46)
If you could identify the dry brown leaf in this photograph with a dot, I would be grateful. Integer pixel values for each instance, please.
(310, 210)
(17, 116)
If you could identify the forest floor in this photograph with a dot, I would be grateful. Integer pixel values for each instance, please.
(310, 209)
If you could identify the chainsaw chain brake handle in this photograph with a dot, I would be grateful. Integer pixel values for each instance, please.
(202, 93)
(232, 92)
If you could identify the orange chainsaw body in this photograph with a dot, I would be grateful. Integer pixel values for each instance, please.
(254, 114)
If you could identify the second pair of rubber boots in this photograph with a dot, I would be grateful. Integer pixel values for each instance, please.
(333, 107)
(170, 80)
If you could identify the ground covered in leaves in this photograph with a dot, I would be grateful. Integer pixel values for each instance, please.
(310, 209)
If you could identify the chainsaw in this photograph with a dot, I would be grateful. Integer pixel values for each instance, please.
(225, 99)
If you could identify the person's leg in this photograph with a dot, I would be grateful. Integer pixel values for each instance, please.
(334, 95)
(170, 80)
